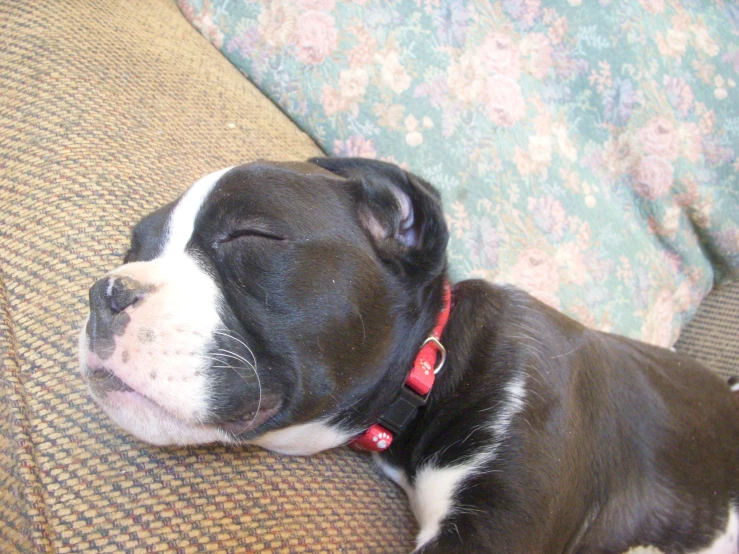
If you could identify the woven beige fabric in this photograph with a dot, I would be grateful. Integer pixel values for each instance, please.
(713, 335)
(108, 109)
(15, 517)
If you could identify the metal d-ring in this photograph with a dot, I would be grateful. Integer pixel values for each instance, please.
(441, 348)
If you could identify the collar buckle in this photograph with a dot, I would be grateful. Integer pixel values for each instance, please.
(403, 410)
(440, 347)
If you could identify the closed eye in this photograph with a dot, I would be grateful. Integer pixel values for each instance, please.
(250, 233)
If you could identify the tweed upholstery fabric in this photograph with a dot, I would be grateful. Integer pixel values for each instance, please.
(14, 510)
(713, 335)
(107, 110)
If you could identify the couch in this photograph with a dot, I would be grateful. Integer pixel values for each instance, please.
(106, 111)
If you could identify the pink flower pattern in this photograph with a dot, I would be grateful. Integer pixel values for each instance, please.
(585, 151)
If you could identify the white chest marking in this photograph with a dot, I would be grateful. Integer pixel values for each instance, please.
(182, 220)
(431, 495)
(303, 439)
(395, 474)
(726, 543)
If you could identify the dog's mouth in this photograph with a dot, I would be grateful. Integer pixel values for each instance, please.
(103, 381)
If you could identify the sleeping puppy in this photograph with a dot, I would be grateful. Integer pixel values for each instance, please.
(303, 306)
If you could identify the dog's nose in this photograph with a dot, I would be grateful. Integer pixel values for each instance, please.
(109, 297)
(112, 295)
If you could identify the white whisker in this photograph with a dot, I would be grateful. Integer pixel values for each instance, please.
(233, 356)
(241, 342)
(253, 366)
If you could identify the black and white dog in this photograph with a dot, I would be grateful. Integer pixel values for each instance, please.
(285, 305)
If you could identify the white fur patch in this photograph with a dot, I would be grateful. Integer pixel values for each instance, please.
(396, 475)
(148, 422)
(182, 220)
(516, 393)
(726, 542)
(431, 495)
(303, 439)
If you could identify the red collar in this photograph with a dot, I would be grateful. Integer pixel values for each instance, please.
(416, 389)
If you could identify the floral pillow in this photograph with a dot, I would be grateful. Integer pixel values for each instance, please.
(585, 151)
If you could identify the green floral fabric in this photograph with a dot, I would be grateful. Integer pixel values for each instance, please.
(586, 151)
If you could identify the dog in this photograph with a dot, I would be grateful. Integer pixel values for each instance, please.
(303, 306)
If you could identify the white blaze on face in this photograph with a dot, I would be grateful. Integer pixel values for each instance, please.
(164, 351)
(182, 220)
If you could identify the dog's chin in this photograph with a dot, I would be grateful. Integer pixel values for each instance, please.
(253, 419)
(149, 422)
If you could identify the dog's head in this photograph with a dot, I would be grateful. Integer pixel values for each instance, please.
(266, 303)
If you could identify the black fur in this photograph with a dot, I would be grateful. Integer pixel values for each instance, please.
(334, 289)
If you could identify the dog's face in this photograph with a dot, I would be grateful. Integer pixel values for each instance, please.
(262, 303)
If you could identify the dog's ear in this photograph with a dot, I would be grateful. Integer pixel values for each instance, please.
(401, 212)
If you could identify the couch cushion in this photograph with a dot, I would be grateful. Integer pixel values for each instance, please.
(585, 153)
(108, 110)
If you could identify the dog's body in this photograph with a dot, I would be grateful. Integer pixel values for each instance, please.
(283, 304)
